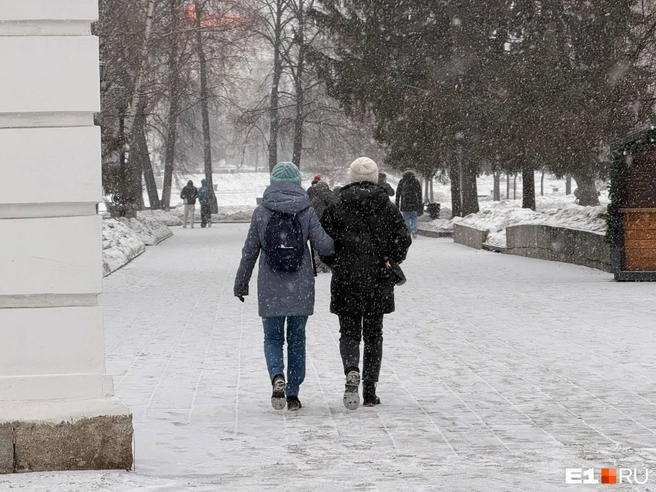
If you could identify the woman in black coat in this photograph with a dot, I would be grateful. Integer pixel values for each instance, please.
(368, 230)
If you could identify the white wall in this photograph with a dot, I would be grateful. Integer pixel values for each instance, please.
(48, 10)
(51, 329)
(51, 256)
(65, 173)
(30, 351)
(49, 74)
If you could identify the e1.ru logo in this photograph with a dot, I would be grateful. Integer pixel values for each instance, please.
(606, 475)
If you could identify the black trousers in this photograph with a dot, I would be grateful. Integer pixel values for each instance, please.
(352, 329)
(205, 214)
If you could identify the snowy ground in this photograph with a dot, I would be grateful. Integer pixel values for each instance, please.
(499, 373)
(232, 190)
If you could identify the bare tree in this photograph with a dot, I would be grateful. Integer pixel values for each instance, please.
(204, 93)
(173, 102)
(298, 73)
(278, 22)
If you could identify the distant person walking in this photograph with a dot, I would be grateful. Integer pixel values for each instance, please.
(323, 198)
(189, 195)
(311, 190)
(369, 235)
(206, 197)
(409, 200)
(279, 232)
(382, 182)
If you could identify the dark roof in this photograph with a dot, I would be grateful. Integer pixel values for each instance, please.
(647, 135)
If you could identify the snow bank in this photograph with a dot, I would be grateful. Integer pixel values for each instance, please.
(150, 230)
(496, 219)
(437, 225)
(555, 210)
(234, 214)
(242, 213)
(125, 239)
(167, 218)
(120, 245)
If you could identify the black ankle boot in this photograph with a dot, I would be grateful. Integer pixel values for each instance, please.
(293, 403)
(369, 394)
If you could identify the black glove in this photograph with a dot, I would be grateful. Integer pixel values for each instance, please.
(328, 260)
(241, 291)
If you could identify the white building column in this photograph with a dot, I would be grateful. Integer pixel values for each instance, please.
(57, 409)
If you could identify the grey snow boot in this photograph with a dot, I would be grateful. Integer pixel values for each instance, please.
(278, 396)
(351, 394)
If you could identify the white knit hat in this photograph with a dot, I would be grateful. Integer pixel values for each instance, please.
(363, 169)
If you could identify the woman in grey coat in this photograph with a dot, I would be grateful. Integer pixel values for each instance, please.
(283, 295)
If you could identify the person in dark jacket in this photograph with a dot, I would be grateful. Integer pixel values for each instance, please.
(409, 200)
(206, 198)
(323, 198)
(189, 194)
(283, 296)
(368, 230)
(382, 182)
(312, 188)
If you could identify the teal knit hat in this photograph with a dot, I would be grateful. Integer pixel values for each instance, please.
(286, 171)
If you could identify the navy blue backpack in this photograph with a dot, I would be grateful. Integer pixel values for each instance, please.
(283, 242)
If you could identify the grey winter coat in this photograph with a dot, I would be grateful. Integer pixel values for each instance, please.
(280, 293)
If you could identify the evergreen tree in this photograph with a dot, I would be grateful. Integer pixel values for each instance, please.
(516, 85)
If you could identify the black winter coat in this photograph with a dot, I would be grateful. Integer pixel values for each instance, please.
(367, 228)
(408, 194)
(387, 187)
(323, 198)
(189, 193)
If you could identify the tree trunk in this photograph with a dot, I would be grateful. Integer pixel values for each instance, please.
(454, 177)
(274, 117)
(507, 186)
(528, 190)
(134, 195)
(146, 164)
(497, 187)
(515, 187)
(469, 189)
(142, 165)
(204, 97)
(300, 89)
(568, 185)
(137, 95)
(587, 191)
(542, 183)
(432, 196)
(174, 95)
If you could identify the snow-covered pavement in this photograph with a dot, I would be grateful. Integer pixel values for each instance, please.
(499, 372)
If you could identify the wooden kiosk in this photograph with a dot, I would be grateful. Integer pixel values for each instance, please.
(632, 211)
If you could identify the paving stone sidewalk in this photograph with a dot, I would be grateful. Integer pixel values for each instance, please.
(499, 372)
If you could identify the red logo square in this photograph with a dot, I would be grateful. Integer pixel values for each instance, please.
(608, 475)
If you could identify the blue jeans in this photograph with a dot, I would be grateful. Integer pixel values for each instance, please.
(274, 339)
(410, 220)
